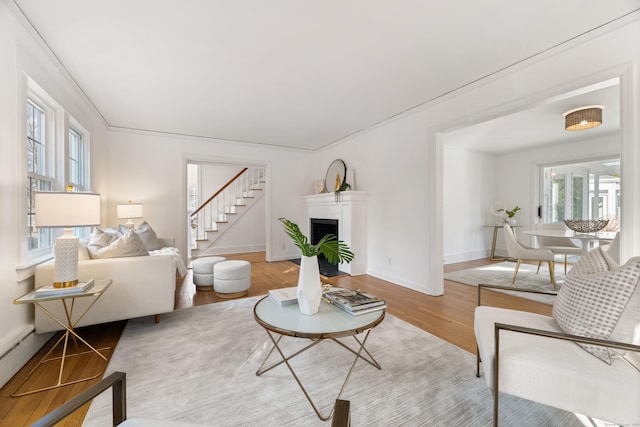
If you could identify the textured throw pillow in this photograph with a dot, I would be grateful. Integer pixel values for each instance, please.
(127, 245)
(596, 261)
(148, 236)
(604, 305)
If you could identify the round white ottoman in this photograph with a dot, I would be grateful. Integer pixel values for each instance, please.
(232, 279)
(202, 269)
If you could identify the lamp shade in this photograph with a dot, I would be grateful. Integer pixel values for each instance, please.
(583, 118)
(130, 210)
(67, 209)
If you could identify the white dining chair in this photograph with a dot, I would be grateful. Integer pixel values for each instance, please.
(520, 252)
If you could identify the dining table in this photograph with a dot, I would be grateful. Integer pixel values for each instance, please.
(585, 239)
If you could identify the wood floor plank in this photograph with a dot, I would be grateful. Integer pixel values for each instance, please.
(449, 317)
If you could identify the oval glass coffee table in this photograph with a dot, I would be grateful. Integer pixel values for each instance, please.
(330, 323)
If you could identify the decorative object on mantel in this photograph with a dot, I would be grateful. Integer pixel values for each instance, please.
(344, 187)
(309, 285)
(335, 176)
(510, 214)
(586, 225)
(318, 187)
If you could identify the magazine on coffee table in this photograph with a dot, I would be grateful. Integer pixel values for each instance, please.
(354, 300)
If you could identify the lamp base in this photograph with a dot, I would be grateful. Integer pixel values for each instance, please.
(68, 284)
(65, 253)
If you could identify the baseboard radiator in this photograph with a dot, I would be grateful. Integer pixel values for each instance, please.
(17, 349)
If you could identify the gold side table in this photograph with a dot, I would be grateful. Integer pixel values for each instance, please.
(72, 319)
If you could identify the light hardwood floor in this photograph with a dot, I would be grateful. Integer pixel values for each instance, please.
(449, 317)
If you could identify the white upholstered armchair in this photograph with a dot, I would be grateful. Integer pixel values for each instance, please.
(585, 359)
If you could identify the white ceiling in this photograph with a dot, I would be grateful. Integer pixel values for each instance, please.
(295, 73)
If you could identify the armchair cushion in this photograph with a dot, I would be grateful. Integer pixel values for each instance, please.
(602, 303)
(555, 372)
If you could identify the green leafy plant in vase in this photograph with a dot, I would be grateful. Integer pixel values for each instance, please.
(510, 214)
(309, 285)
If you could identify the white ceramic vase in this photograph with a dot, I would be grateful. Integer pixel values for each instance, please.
(309, 286)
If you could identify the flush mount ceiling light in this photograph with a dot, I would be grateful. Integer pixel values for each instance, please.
(583, 117)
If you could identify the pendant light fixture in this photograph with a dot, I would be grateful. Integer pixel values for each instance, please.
(583, 117)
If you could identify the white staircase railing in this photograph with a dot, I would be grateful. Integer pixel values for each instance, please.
(224, 203)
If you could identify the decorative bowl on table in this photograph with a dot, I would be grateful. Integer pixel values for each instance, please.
(586, 225)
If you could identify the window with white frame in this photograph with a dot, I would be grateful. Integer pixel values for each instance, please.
(39, 175)
(76, 160)
(57, 159)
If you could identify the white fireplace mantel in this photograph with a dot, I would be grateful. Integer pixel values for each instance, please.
(351, 213)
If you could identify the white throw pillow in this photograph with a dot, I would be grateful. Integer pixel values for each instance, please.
(83, 252)
(148, 236)
(127, 245)
(604, 305)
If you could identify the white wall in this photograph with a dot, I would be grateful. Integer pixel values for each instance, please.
(154, 173)
(469, 190)
(400, 163)
(21, 57)
(390, 163)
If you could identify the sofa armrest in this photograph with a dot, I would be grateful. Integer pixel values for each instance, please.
(562, 336)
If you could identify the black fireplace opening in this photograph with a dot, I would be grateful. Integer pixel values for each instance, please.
(320, 227)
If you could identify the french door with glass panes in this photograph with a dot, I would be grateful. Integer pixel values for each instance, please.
(587, 190)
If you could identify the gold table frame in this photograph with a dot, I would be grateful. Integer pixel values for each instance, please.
(352, 327)
(97, 290)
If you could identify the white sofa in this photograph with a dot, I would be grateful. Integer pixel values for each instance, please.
(142, 286)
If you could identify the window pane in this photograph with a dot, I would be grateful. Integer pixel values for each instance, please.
(38, 237)
(577, 197)
(35, 139)
(582, 190)
(75, 159)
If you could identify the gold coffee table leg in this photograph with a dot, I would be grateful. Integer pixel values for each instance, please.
(285, 360)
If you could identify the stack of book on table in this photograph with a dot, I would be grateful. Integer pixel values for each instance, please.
(354, 301)
(50, 290)
(284, 296)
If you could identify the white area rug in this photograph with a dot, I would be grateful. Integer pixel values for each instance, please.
(198, 365)
(502, 274)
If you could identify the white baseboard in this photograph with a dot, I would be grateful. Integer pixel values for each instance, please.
(18, 352)
(466, 256)
(232, 250)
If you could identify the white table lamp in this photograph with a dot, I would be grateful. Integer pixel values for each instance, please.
(129, 211)
(66, 209)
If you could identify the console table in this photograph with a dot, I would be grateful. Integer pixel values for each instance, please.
(492, 257)
(330, 323)
(69, 322)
